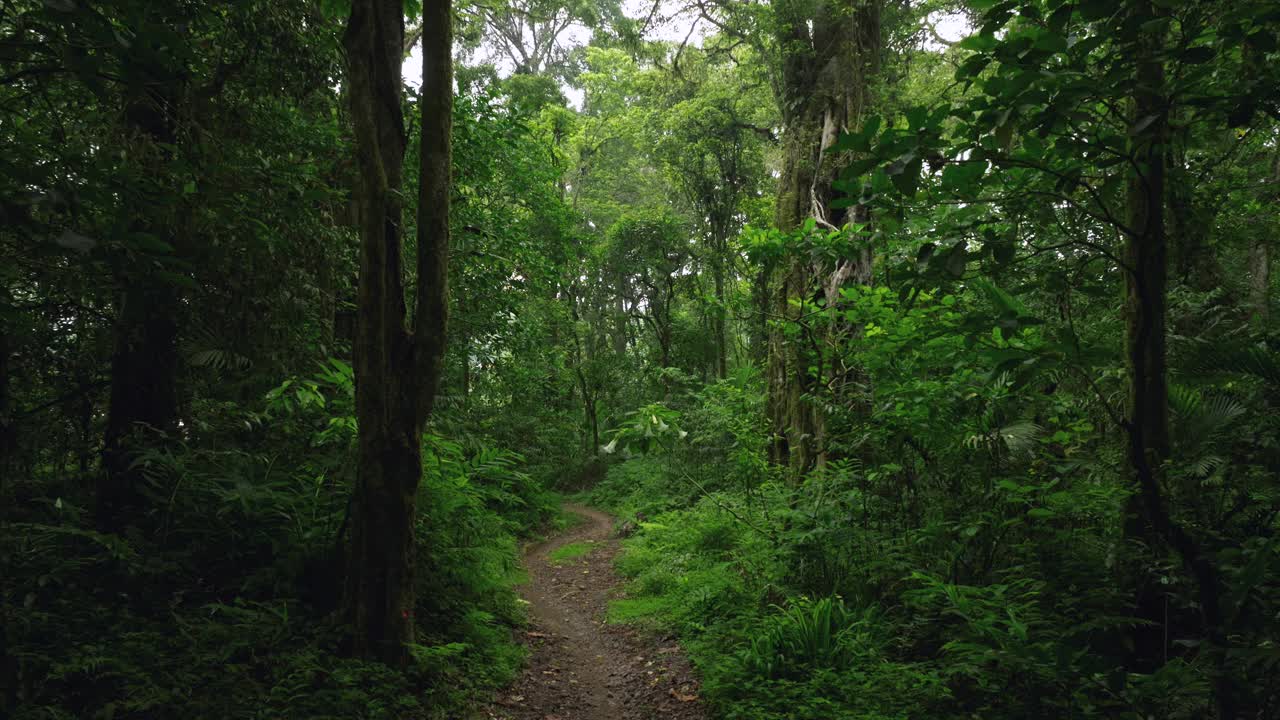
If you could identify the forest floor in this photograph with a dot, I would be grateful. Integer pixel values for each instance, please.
(579, 667)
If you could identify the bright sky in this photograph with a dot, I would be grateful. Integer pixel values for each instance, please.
(950, 27)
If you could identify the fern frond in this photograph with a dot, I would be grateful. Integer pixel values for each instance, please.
(1249, 360)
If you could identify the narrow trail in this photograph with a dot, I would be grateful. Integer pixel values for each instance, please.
(580, 668)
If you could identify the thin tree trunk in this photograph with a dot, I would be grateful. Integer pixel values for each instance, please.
(434, 193)
(759, 328)
(718, 328)
(620, 321)
(8, 424)
(1193, 260)
(1260, 280)
(588, 399)
(1260, 263)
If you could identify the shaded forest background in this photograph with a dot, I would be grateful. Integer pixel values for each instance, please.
(938, 375)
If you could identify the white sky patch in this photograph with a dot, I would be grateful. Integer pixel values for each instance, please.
(950, 27)
(669, 28)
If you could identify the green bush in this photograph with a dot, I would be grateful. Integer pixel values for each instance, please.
(220, 603)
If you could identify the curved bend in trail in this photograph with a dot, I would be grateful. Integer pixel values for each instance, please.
(579, 668)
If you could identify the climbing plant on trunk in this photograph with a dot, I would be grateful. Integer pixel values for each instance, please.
(831, 54)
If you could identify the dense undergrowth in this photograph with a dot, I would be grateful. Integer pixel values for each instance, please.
(938, 376)
(965, 559)
(219, 603)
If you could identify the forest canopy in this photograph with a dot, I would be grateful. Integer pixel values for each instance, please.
(925, 352)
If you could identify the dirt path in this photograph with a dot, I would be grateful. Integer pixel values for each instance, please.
(580, 668)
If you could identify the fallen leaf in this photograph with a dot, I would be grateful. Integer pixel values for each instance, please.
(682, 697)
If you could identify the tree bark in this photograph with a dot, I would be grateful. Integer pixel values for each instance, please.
(144, 362)
(1260, 263)
(1260, 280)
(827, 69)
(397, 372)
(1194, 261)
(1147, 422)
(8, 424)
(434, 193)
(718, 324)
(588, 396)
(758, 331)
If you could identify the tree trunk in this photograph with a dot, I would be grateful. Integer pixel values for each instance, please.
(397, 373)
(718, 320)
(824, 91)
(1260, 280)
(620, 321)
(1194, 261)
(1260, 263)
(144, 362)
(434, 194)
(588, 398)
(8, 424)
(1147, 422)
(761, 308)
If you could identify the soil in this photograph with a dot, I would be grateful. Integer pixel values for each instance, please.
(579, 667)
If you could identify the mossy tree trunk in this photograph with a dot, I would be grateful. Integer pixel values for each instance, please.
(831, 55)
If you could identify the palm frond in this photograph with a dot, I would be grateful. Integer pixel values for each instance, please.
(1205, 358)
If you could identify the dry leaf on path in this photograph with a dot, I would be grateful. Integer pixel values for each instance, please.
(682, 697)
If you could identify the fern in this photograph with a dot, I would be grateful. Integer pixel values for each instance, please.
(1015, 438)
(1205, 358)
(1201, 423)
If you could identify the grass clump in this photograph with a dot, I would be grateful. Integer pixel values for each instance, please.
(572, 551)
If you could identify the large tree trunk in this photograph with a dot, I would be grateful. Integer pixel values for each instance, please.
(826, 77)
(144, 362)
(144, 398)
(397, 373)
(1147, 422)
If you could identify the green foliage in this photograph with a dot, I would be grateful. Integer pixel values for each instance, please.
(572, 551)
(809, 635)
(963, 541)
(221, 605)
(959, 547)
